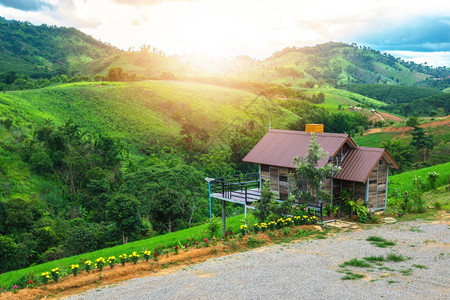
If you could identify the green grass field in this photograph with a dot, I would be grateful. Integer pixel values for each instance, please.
(144, 112)
(375, 139)
(403, 182)
(198, 233)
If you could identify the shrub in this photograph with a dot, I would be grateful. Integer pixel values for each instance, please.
(134, 257)
(123, 259)
(286, 231)
(147, 255)
(74, 269)
(45, 277)
(100, 263)
(417, 195)
(55, 274)
(243, 229)
(111, 261)
(88, 265)
(437, 205)
(432, 178)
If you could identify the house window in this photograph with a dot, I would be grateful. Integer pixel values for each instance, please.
(264, 168)
(283, 178)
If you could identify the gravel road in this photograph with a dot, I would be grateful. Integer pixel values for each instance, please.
(309, 270)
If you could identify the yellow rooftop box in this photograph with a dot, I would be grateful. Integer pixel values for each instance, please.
(314, 128)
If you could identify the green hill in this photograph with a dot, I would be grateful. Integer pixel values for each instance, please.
(338, 64)
(151, 65)
(144, 112)
(43, 51)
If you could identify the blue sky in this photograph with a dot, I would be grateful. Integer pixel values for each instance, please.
(414, 30)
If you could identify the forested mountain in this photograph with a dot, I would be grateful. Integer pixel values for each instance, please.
(45, 51)
(340, 63)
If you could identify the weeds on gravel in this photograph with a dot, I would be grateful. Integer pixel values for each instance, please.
(379, 241)
(386, 269)
(396, 257)
(352, 276)
(392, 281)
(355, 263)
(406, 272)
(420, 266)
(373, 259)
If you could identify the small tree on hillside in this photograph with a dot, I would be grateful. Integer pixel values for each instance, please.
(422, 141)
(308, 176)
(123, 209)
(168, 207)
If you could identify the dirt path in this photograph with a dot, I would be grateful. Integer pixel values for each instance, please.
(445, 122)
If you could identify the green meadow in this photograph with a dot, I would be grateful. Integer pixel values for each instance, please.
(400, 183)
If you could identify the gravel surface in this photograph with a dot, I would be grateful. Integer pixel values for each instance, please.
(309, 270)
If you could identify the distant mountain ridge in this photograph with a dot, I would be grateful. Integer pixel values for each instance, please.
(341, 64)
(45, 51)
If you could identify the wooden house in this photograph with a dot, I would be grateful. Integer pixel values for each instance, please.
(365, 171)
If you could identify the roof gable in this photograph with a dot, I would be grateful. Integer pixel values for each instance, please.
(280, 147)
(358, 163)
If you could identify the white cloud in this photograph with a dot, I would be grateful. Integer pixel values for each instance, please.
(435, 59)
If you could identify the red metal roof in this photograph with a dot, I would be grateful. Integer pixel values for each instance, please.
(358, 163)
(279, 147)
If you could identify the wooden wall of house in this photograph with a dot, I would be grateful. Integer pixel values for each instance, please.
(278, 178)
(265, 175)
(377, 186)
(283, 179)
(336, 189)
(360, 191)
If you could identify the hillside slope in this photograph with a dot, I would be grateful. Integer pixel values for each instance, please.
(144, 112)
(43, 51)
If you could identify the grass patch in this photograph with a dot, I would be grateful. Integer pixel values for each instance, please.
(400, 183)
(373, 259)
(386, 269)
(392, 281)
(355, 263)
(379, 241)
(396, 257)
(253, 243)
(352, 276)
(406, 272)
(420, 266)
